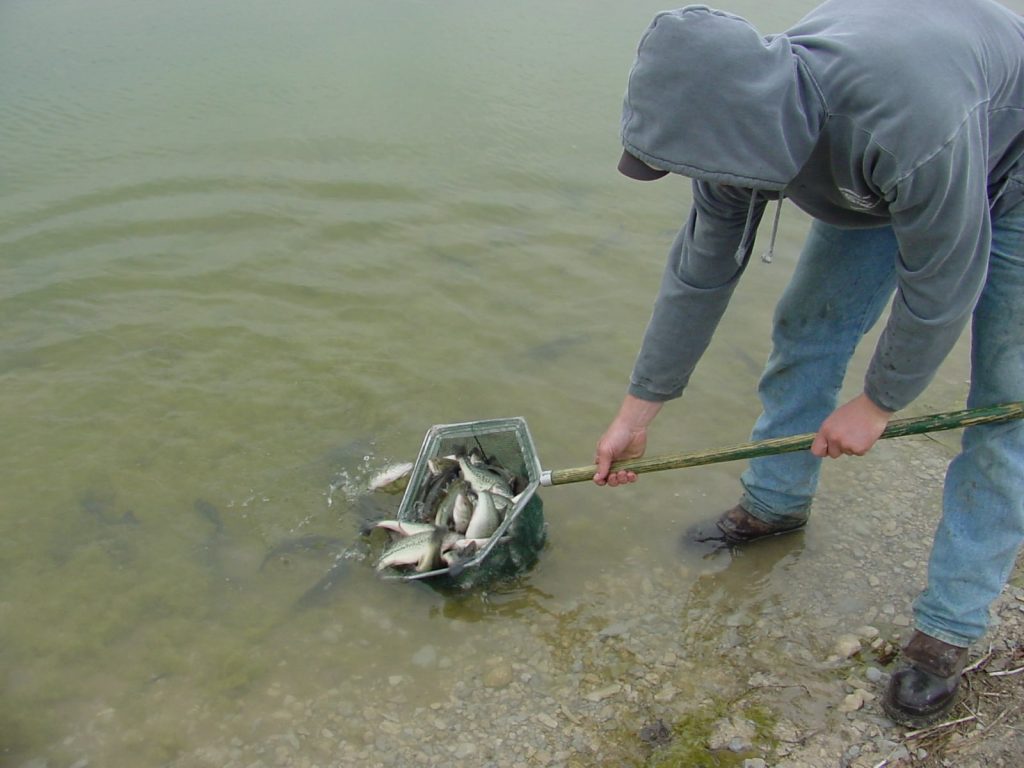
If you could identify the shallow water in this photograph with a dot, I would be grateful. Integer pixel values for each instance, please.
(252, 251)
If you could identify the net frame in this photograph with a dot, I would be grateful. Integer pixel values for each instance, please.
(516, 543)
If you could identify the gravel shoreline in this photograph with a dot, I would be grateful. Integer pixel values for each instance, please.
(769, 659)
(509, 714)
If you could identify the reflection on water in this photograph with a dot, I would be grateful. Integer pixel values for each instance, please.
(251, 249)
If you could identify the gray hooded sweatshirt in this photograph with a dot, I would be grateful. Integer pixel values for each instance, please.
(866, 113)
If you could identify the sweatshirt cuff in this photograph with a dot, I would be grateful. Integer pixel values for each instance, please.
(873, 396)
(641, 392)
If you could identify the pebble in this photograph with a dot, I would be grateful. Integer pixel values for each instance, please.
(425, 656)
(853, 701)
(498, 676)
(601, 694)
(733, 733)
(464, 749)
(547, 720)
(867, 632)
(846, 646)
(666, 694)
(616, 630)
(898, 754)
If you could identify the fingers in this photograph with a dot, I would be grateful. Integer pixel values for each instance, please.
(604, 476)
(613, 479)
(616, 444)
(603, 460)
(833, 449)
(851, 429)
(822, 448)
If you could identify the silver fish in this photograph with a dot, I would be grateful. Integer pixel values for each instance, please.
(400, 527)
(421, 550)
(462, 551)
(439, 464)
(454, 557)
(462, 513)
(485, 519)
(392, 479)
(446, 509)
(459, 556)
(478, 461)
(436, 493)
(482, 479)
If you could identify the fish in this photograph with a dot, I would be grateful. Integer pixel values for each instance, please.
(439, 464)
(392, 479)
(117, 540)
(398, 526)
(213, 546)
(457, 557)
(318, 592)
(436, 491)
(100, 507)
(463, 501)
(446, 509)
(481, 478)
(209, 513)
(556, 348)
(462, 513)
(421, 550)
(493, 466)
(485, 519)
(464, 551)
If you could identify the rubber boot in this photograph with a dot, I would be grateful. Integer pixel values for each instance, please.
(923, 689)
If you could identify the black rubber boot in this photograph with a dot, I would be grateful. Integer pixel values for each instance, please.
(924, 688)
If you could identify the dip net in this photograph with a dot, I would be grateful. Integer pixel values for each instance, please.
(516, 544)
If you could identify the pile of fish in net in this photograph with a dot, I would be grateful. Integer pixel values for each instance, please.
(465, 500)
(470, 514)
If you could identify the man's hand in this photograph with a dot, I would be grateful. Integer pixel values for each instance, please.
(851, 429)
(625, 438)
(618, 442)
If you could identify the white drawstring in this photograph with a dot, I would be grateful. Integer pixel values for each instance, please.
(741, 252)
(768, 255)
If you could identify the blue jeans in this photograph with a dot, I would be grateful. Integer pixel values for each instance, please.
(839, 289)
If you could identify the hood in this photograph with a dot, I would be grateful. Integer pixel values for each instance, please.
(710, 98)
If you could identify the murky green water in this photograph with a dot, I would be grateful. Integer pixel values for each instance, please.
(249, 249)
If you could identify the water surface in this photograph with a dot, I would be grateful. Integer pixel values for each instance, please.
(254, 250)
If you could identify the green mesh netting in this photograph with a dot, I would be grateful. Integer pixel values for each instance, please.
(517, 553)
(515, 546)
